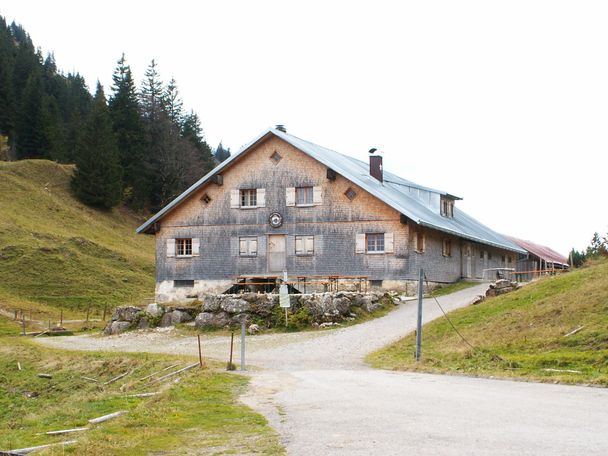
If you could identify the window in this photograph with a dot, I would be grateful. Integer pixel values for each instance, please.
(305, 245)
(447, 207)
(420, 242)
(447, 248)
(374, 242)
(375, 283)
(183, 283)
(481, 253)
(248, 198)
(183, 247)
(304, 196)
(489, 255)
(248, 246)
(503, 259)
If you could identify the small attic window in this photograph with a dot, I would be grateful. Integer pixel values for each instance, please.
(350, 193)
(276, 157)
(206, 199)
(447, 207)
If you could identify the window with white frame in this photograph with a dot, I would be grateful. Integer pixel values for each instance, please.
(248, 246)
(304, 196)
(249, 198)
(374, 242)
(305, 245)
(183, 247)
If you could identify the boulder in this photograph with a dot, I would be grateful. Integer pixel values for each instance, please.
(211, 303)
(154, 310)
(118, 327)
(342, 305)
(234, 305)
(206, 320)
(264, 305)
(126, 313)
(143, 324)
(180, 316)
(253, 329)
(166, 320)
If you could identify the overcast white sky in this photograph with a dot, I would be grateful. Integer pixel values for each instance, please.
(502, 103)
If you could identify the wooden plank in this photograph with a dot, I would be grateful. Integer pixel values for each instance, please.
(163, 370)
(107, 417)
(40, 447)
(116, 378)
(143, 394)
(574, 331)
(67, 431)
(177, 372)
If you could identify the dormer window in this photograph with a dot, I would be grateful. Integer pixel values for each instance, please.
(447, 207)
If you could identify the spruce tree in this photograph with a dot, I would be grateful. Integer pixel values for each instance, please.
(31, 140)
(129, 130)
(173, 104)
(221, 153)
(97, 178)
(193, 132)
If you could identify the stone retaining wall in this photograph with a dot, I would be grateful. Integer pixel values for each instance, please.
(259, 310)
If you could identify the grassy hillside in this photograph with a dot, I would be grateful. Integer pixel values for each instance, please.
(200, 414)
(56, 252)
(521, 334)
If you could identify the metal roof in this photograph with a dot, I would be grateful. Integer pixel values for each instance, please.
(544, 253)
(394, 191)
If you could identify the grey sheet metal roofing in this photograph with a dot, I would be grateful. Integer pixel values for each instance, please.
(393, 191)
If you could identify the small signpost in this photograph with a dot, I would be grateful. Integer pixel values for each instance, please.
(284, 296)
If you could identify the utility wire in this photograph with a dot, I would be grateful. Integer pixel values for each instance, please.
(454, 327)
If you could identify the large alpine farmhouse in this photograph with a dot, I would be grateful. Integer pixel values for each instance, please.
(283, 204)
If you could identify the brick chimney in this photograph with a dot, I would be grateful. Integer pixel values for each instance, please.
(375, 167)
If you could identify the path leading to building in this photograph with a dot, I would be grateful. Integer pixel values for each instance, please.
(316, 391)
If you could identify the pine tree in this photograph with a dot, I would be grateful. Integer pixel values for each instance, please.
(31, 140)
(151, 96)
(173, 104)
(97, 178)
(128, 127)
(193, 132)
(220, 153)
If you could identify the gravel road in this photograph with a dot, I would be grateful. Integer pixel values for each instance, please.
(318, 394)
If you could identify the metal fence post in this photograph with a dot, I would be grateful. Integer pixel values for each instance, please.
(243, 345)
(419, 323)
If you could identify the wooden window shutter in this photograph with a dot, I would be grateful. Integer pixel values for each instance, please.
(299, 246)
(196, 246)
(360, 243)
(170, 247)
(317, 198)
(388, 243)
(261, 197)
(290, 196)
(235, 198)
(309, 245)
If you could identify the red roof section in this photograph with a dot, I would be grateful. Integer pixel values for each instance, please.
(541, 251)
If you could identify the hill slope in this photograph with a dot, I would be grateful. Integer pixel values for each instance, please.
(56, 252)
(527, 331)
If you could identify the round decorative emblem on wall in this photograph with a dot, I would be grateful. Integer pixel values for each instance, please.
(275, 220)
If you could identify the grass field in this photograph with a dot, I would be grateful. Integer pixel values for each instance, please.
(199, 414)
(56, 252)
(521, 334)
